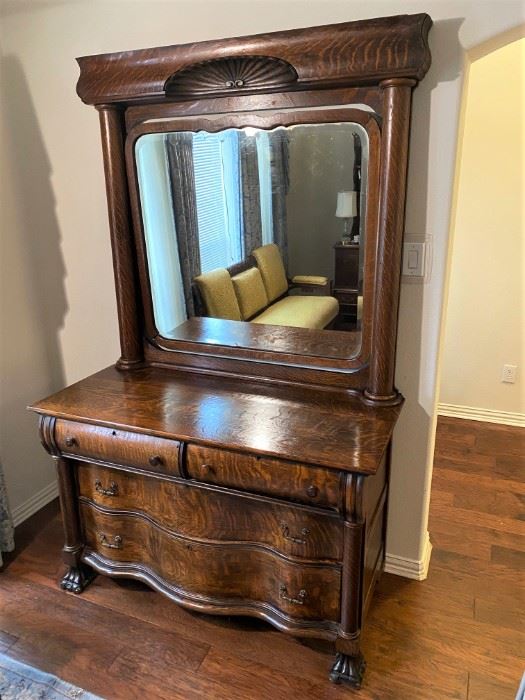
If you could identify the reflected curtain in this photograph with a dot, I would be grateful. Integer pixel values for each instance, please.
(7, 543)
(279, 163)
(250, 193)
(182, 182)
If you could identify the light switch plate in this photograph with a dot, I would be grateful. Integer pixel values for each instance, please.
(413, 259)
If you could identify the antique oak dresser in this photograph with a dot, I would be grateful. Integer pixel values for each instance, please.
(237, 468)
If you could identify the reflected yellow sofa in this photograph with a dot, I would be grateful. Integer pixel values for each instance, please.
(261, 294)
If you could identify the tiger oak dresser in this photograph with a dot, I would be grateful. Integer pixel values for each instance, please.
(237, 468)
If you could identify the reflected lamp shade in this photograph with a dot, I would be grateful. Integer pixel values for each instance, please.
(346, 205)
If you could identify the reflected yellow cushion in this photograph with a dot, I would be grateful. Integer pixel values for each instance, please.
(250, 292)
(218, 294)
(301, 312)
(310, 279)
(270, 263)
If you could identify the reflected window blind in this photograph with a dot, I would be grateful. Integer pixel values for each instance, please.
(217, 189)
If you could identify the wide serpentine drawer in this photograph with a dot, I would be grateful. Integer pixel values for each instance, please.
(212, 514)
(275, 477)
(118, 446)
(214, 574)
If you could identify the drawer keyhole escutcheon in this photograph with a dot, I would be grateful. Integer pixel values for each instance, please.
(104, 541)
(70, 441)
(312, 491)
(297, 540)
(155, 460)
(283, 593)
(111, 491)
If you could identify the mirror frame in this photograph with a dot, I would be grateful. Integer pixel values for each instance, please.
(369, 66)
(369, 122)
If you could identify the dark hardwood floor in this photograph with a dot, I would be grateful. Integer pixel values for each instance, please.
(459, 634)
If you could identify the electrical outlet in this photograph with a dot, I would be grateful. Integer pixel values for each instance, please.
(509, 374)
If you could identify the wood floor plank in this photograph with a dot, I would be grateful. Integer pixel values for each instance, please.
(450, 480)
(457, 635)
(466, 517)
(442, 498)
(463, 442)
(509, 467)
(495, 502)
(511, 557)
(476, 541)
(510, 615)
(470, 544)
(487, 688)
(502, 442)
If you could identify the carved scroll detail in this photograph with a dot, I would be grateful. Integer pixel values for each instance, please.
(224, 75)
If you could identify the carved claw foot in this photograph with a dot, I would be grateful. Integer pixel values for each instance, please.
(348, 669)
(77, 578)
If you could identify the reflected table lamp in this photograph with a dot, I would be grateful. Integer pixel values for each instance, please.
(346, 209)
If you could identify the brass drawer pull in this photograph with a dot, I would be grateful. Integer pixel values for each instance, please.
(116, 544)
(71, 441)
(312, 491)
(297, 540)
(283, 593)
(156, 460)
(207, 469)
(111, 491)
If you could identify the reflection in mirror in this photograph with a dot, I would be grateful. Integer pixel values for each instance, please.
(257, 227)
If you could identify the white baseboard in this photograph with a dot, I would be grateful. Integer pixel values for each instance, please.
(28, 508)
(416, 569)
(482, 414)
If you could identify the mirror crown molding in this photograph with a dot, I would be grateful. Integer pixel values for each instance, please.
(227, 75)
(364, 52)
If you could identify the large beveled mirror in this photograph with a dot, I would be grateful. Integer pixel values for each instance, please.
(250, 231)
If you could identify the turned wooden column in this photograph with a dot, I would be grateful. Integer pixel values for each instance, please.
(122, 244)
(397, 95)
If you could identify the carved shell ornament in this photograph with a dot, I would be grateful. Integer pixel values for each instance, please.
(230, 74)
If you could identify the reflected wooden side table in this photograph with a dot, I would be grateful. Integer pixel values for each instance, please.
(346, 284)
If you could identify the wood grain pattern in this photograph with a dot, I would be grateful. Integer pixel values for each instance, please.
(215, 515)
(92, 640)
(332, 429)
(270, 352)
(350, 53)
(124, 268)
(350, 97)
(288, 425)
(118, 446)
(384, 55)
(397, 95)
(338, 345)
(226, 75)
(204, 576)
(274, 477)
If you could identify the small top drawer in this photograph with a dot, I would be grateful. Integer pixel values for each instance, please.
(118, 446)
(284, 479)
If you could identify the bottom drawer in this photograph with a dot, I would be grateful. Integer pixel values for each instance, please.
(215, 573)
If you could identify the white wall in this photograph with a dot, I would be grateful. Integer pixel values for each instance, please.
(32, 298)
(485, 323)
(60, 209)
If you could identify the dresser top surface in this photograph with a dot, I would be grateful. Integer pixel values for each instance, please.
(309, 425)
